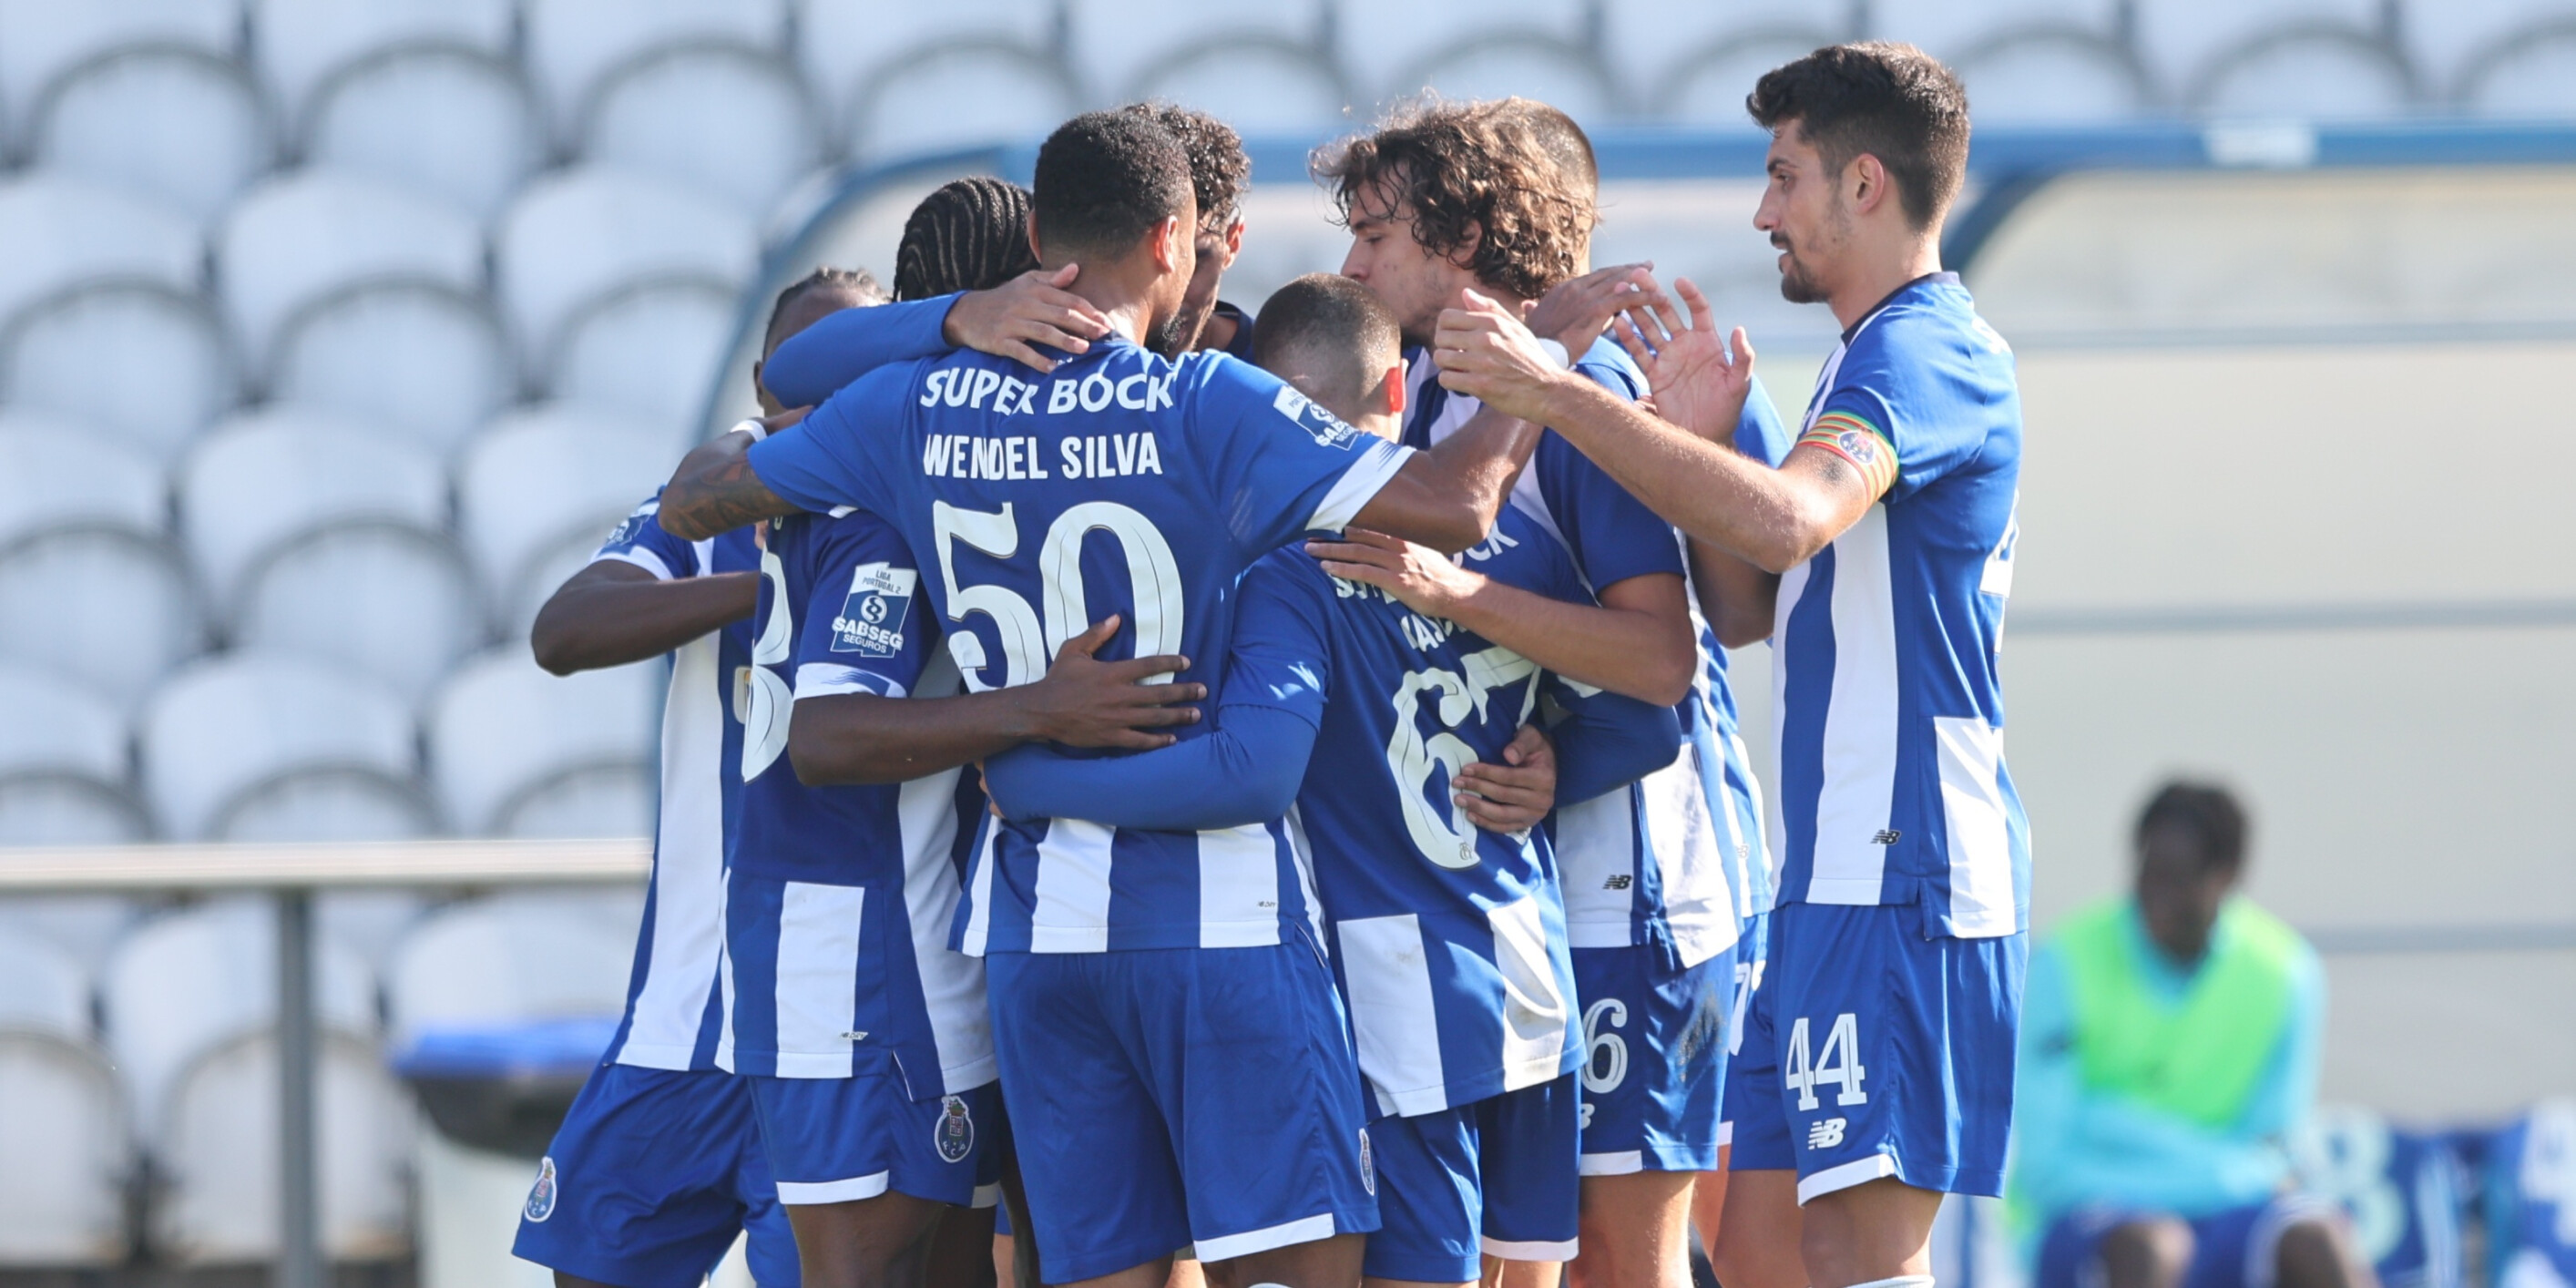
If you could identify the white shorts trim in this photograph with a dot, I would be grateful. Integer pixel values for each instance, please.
(1859, 1171)
(802, 1193)
(1725, 1133)
(1531, 1251)
(1302, 1230)
(1618, 1164)
(986, 1195)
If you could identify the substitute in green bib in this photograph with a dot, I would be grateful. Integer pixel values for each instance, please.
(2168, 1047)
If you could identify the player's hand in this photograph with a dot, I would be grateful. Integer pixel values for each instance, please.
(1032, 309)
(785, 419)
(1513, 796)
(1486, 353)
(1700, 379)
(1421, 578)
(1576, 311)
(1084, 702)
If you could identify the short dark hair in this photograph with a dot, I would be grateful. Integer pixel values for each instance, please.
(1105, 179)
(1564, 141)
(2207, 813)
(1332, 330)
(1893, 102)
(969, 234)
(1482, 187)
(857, 282)
(1219, 168)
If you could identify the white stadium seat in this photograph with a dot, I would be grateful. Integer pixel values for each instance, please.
(647, 353)
(41, 40)
(65, 233)
(1119, 46)
(533, 956)
(2053, 78)
(419, 359)
(266, 747)
(2530, 80)
(86, 926)
(846, 46)
(62, 1125)
(53, 474)
(299, 44)
(722, 121)
(547, 479)
(1528, 64)
(268, 478)
(394, 602)
(2454, 42)
(1664, 48)
(1390, 53)
(578, 237)
(517, 752)
(2184, 43)
(296, 242)
(1954, 29)
(137, 361)
(179, 127)
(959, 97)
(1257, 89)
(573, 46)
(450, 124)
(106, 607)
(2311, 76)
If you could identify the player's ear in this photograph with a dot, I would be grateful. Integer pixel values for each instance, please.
(1173, 242)
(1033, 237)
(1866, 182)
(1392, 390)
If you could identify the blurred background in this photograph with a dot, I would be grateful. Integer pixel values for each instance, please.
(334, 334)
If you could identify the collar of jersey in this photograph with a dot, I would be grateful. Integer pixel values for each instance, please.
(1944, 277)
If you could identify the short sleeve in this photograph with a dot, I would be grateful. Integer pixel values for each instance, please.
(1280, 465)
(1282, 658)
(1613, 535)
(1893, 383)
(640, 539)
(1759, 431)
(843, 451)
(864, 630)
(813, 364)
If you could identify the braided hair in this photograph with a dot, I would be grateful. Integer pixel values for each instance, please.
(969, 234)
(858, 283)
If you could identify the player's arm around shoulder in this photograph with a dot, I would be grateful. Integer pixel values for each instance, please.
(641, 596)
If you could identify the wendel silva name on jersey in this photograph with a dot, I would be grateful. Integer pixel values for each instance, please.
(1079, 456)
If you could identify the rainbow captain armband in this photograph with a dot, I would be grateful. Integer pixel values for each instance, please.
(1859, 442)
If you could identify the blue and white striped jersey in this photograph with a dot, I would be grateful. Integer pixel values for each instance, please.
(1677, 858)
(1889, 705)
(843, 895)
(1449, 941)
(672, 1012)
(1122, 483)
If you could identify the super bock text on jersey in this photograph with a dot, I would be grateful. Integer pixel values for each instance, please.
(658, 1164)
(863, 1035)
(1123, 483)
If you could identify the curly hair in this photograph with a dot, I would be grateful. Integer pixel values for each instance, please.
(1894, 102)
(1479, 185)
(1105, 179)
(1219, 168)
(967, 235)
(857, 283)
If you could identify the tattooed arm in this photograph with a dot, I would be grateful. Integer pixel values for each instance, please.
(714, 490)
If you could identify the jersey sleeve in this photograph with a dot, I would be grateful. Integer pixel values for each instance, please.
(1278, 464)
(844, 451)
(1612, 534)
(863, 631)
(817, 362)
(1759, 431)
(641, 540)
(1887, 389)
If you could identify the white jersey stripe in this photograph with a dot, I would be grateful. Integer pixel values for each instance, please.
(1699, 905)
(1972, 801)
(818, 978)
(1393, 1013)
(1860, 742)
(688, 929)
(1536, 1011)
(1595, 838)
(979, 911)
(1072, 912)
(1238, 887)
(1378, 461)
(952, 984)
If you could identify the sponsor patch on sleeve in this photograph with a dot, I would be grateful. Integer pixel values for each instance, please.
(871, 620)
(1327, 428)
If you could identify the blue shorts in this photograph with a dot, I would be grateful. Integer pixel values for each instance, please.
(651, 1176)
(1752, 961)
(1654, 1059)
(1871, 1050)
(1165, 1096)
(2237, 1248)
(838, 1140)
(1494, 1177)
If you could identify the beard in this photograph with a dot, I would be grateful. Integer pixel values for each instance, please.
(1797, 286)
(1175, 333)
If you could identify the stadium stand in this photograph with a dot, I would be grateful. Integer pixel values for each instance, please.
(255, 746)
(62, 765)
(420, 359)
(179, 126)
(575, 48)
(42, 41)
(1687, 61)
(576, 240)
(854, 54)
(299, 242)
(1479, 49)
(516, 752)
(718, 119)
(540, 487)
(455, 125)
(533, 956)
(62, 1197)
(1264, 68)
(301, 46)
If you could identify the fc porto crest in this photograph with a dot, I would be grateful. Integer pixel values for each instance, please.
(1368, 1165)
(541, 1196)
(954, 1137)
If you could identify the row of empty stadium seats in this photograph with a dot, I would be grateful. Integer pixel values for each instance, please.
(739, 98)
(263, 745)
(300, 529)
(155, 1063)
(340, 292)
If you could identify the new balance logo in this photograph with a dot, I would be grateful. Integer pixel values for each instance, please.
(1886, 836)
(1825, 1133)
(1619, 882)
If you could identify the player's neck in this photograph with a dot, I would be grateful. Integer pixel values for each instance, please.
(1881, 271)
(1123, 293)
